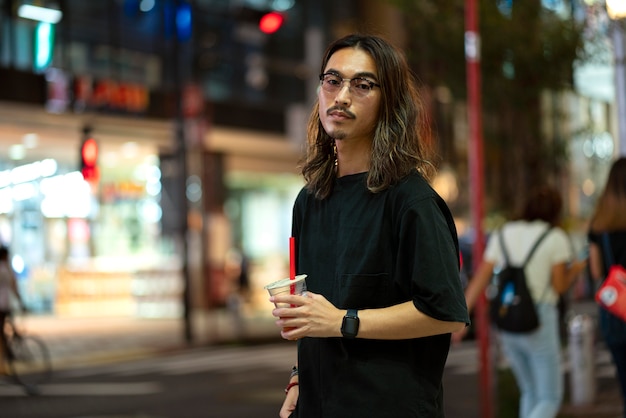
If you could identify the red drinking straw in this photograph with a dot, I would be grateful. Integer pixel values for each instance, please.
(292, 263)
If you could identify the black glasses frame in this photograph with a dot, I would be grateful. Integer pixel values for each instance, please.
(368, 82)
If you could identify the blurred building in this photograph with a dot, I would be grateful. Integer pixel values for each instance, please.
(199, 119)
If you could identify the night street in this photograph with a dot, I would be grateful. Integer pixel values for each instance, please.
(225, 381)
(229, 381)
(210, 382)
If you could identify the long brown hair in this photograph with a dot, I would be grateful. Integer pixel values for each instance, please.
(402, 141)
(610, 211)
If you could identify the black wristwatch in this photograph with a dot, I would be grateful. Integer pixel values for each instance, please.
(350, 324)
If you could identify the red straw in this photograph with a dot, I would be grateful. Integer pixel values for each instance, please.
(292, 258)
(292, 263)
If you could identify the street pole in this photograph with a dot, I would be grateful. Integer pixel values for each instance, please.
(472, 56)
(181, 157)
(619, 53)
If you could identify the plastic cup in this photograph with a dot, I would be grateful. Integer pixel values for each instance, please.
(297, 286)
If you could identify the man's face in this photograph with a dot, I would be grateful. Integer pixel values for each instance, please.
(344, 114)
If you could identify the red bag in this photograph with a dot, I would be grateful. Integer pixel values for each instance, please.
(612, 293)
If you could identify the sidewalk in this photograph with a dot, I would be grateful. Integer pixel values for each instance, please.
(462, 383)
(75, 342)
(607, 402)
(78, 342)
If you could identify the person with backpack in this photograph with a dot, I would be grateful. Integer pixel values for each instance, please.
(534, 356)
(607, 246)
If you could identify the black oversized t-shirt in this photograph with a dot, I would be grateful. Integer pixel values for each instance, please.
(370, 250)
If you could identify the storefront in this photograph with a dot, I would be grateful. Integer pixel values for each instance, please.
(77, 246)
(262, 181)
(83, 250)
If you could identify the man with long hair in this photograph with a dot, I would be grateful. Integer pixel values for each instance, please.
(378, 246)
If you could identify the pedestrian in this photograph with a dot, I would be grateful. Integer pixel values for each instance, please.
(609, 222)
(237, 277)
(378, 246)
(8, 291)
(535, 356)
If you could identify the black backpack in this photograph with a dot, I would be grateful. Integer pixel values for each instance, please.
(512, 308)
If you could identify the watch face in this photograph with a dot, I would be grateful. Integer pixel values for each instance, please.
(350, 326)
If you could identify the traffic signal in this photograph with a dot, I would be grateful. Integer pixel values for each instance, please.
(270, 22)
(266, 21)
(89, 159)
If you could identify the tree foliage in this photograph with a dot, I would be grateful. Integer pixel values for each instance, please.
(526, 51)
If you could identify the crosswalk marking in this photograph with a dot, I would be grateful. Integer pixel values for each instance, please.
(273, 357)
(462, 360)
(88, 389)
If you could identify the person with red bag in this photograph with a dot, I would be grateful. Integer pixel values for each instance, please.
(607, 245)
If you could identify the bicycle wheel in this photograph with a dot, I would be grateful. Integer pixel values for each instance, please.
(29, 361)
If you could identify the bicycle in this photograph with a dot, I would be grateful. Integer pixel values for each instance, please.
(27, 358)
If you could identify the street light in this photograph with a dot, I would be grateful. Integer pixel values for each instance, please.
(41, 14)
(616, 9)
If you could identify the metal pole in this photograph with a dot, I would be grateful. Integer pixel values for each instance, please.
(472, 56)
(619, 53)
(181, 154)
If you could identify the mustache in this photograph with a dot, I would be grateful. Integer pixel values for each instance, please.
(341, 109)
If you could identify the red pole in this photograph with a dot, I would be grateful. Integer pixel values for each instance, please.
(472, 56)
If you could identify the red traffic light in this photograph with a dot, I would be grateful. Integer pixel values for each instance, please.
(89, 152)
(271, 22)
(89, 160)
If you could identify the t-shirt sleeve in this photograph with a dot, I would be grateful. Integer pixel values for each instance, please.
(562, 247)
(428, 239)
(493, 250)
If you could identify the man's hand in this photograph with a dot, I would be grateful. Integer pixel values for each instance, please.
(290, 402)
(310, 315)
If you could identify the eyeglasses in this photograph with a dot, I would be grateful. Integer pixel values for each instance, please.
(359, 86)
